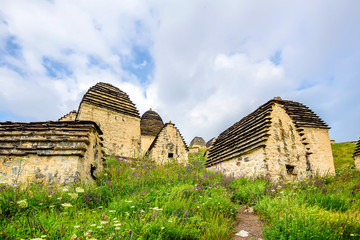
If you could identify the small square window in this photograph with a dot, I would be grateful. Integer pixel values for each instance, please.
(290, 169)
(170, 155)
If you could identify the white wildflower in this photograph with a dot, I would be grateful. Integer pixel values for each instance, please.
(66, 205)
(103, 222)
(65, 189)
(79, 190)
(23, 203)
(73, 196)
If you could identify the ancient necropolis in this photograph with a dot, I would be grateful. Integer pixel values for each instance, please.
(168, 146)
(280, 138)
(357, 155)
(50, 152)
(150, 124)
(117, 117)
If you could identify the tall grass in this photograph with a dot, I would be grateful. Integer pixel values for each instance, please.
(141, 200)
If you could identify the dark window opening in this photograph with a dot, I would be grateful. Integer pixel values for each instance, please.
(92, 171)
(170, 155)
(290, 169)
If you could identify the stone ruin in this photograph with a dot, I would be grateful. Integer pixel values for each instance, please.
(280, 138)
(50, 152)
(357, 156)
(150, 125)
(116, 116)
(168, 145)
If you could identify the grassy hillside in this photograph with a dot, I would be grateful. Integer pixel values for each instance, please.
(140, 200)
(343, 153)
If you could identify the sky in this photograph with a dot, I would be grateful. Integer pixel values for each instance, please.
(202, 64)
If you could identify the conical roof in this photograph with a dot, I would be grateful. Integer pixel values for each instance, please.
(151, 123)
(211, 142)
(198, 141)
(107, 96)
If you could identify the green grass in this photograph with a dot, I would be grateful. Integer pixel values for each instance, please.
(343, 154)
(140, 200)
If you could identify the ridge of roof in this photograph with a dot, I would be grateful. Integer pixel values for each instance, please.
(105, 95)
(66, 138)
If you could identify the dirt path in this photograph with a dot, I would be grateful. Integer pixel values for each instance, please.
(247, 226)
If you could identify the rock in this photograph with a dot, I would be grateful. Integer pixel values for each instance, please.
(242, 233)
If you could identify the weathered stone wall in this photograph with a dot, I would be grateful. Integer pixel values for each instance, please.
(44, 169)
(249, 164)
(91, 165)
(284, 146)
(169, 141)
(321, 159)
(146, 141)
(49, 154)
(121, 132)
(357, 162)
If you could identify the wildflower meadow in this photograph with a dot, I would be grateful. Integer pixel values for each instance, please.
(141, 200)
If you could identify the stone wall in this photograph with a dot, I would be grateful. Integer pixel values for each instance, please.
(121, 132)
(321, 159)
(146, 141)
(49, 152)
(249, 164)
(169, 146)
(284, 148)
(357, 162)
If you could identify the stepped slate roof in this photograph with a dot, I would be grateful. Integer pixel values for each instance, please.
(71, 116)
(357, 149)
(46, 138)
(157, 137)
(107, 96)
(252, 131)
(151, 123)
(198, 141)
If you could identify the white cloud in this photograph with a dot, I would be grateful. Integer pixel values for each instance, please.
(212, 59)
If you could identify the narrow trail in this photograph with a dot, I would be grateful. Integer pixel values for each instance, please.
(247, 226)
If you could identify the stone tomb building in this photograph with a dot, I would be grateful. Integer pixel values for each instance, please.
(50, 152)
(71, 116)
(280, 138)
(357, 156)
(150, 124)
(117, 117)
(168, 146)
(196, 144)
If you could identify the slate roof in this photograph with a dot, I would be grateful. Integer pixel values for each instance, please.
(63, 138)
(151, 123)
(107, 96)
(251, 132)
(157, 137)
(198, 141)
(71, 115)
(357, 149)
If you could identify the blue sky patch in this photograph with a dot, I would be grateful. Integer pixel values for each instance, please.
(276, 58)
(140, 64)
(98, 62)
(55, 69)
